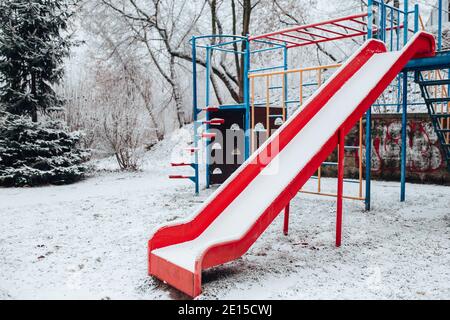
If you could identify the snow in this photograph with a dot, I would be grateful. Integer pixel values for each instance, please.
(89, 240)
(241, 214)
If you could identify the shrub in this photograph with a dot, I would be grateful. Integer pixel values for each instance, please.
(38, 153)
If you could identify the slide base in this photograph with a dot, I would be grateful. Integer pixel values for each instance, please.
(180, 278)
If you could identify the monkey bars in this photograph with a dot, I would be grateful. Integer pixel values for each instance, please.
(331, 30)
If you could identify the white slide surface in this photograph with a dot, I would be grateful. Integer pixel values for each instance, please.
(245, 209)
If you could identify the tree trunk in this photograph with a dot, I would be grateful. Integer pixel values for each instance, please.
(34, 116)
(177, 95)
(246, 15)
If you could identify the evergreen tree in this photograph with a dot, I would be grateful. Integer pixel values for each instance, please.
(33, 44)
(38, 153)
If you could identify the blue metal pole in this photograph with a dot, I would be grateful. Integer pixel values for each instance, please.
(207, 104)
(416, 18)
(195, 112)
(440, 25)
(405, 23)
(370, 19)
(398, 30)
(368, 157)
(286, 91)
(404, 132)
(392, 30)
(382, 35)
(247, 99)
(369, 119)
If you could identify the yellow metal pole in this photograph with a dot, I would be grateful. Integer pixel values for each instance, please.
(331, 195)
(301, 88)
(278, 73)
(319, 173)
(422, 25)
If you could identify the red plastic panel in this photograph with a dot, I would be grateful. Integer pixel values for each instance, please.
(177, 277)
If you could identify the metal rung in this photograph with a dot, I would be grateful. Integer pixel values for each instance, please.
(210, 109)
(182, 164)
(351, 181)
(208, 135)
(351, 148)
(434, 82)
(263, 102)
(437, 115)
(181, 177)
(329, 163)
(266, 69)
(275, 115)
(438, 100)
(213, 122)
(275, 88)
(345, 180)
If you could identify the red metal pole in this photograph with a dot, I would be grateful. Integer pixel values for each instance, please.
(340, 191)
(286, 220)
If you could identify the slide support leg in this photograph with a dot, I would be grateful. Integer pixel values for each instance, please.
(368, 157)
(341, 154)
(404, 137)
(286, 220)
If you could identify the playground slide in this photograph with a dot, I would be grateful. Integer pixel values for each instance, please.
(231, 220)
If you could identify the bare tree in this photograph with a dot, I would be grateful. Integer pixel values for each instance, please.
(117, 49)
(123, 127)
(157, 24)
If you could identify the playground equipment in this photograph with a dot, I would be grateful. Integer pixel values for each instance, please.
(220, 232)
(307, 132)
(394, 26)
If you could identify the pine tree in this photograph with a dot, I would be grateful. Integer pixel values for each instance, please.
(39, 153)
(33, 44)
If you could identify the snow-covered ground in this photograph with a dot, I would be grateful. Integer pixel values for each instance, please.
(89, 240)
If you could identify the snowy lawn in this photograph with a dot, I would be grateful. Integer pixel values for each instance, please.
(89, 240)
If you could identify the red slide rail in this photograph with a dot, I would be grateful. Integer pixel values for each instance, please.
(422, 45)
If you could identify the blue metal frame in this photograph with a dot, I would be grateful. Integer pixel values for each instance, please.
(195, 113)
(369, 119)
(285, 68)
(207, 104)
(210, 48)
(402, 15)
(247, 98)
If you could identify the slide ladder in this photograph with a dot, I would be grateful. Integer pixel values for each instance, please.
(204, 135)
(434, 88)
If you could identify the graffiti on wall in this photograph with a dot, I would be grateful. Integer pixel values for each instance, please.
(424, 154)
(425, 160)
